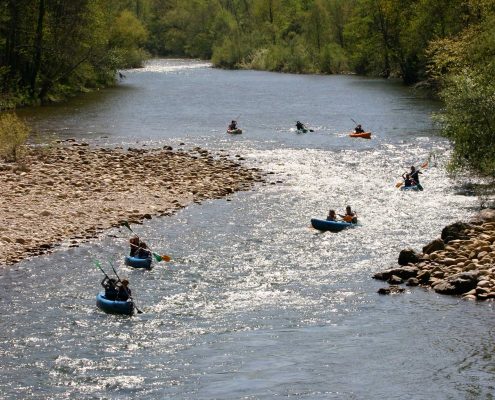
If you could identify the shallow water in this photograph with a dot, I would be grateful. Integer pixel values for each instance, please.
(255, 304)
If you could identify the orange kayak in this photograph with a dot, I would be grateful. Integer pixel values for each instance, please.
(364, 135)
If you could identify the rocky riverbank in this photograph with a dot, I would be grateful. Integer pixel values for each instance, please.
(460, 262)
(73, 192)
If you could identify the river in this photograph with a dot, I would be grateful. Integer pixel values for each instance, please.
(255, 304)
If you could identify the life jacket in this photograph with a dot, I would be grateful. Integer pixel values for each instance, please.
(348, 218)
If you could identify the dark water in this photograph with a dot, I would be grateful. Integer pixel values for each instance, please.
(255, 305)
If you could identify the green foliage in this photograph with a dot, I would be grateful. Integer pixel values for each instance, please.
(52, 49)
(463, 67)
(13, 135)
(469, 120)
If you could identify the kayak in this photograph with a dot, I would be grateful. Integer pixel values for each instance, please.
(332, 226)
(114, 306)
(303, 130)
(237, 131)
(414, 188)
(136, 262)
(364, 135)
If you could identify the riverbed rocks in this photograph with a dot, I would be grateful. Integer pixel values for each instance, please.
(76, 191)
(461, 262)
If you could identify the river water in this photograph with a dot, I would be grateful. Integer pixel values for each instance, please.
(255, 304)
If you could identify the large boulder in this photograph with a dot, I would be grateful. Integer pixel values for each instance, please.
(455, 231)
(403, 273)
(434, 245)
(458, 284)
(408, 256)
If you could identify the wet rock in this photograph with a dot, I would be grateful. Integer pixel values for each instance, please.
(424, 276)
(408, 256)
(412, 282)
(383, 275)
(434, 245)
(395, 280)
(455, 231)
(391, 290)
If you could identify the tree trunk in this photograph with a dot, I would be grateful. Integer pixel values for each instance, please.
(37, 47)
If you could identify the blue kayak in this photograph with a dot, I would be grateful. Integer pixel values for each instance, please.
(114, 306)
(332, 226)
(414, 188)
(136, 262)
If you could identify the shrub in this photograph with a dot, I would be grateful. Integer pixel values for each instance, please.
(13, 135)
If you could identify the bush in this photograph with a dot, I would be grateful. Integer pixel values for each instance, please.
(468, 119)
(13, 135)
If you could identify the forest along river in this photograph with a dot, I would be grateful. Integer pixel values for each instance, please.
(255, 303)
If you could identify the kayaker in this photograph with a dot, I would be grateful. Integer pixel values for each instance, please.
(350, 216)
(124, 292)
(143, 251)
(358, 129)
(233, 125)
(300, 126)
(414, 174)
(110, 286)
(134, 244)
(331, 216)
(408, 181)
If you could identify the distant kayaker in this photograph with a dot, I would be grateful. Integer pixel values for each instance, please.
(358, 129)
(143, 251)
(331, 216)
(110, 286)
(414, 174)
(408, 181)
(350, 216)
(124, 292)
(134, 244)
(300, 126)
(233, 125)
(139, 249)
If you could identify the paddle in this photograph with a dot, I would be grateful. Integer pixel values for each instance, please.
(97, 263)
(158, 257)
(423, 166)
(128, 294)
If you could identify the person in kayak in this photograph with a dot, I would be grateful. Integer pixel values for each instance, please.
(134, 244)
(300, 126)
(332, 216)
(124, 292)
(350, 216)
(110, 286)
(408, 181)
(233, 125)
(143, 251)
(358, 129)
(414, 174)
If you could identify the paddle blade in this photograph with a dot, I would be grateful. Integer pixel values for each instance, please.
(425, 165)
(399, 184)
(161, 257)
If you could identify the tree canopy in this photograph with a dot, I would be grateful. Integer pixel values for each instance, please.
(51, 48)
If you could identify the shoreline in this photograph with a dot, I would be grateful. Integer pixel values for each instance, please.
(461, 262)
(74, 191)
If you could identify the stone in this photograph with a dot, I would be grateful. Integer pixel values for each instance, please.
(395, 280)
(408, 256)
(434, 245)
(391, 290)
(455, 231)
(412, 282)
